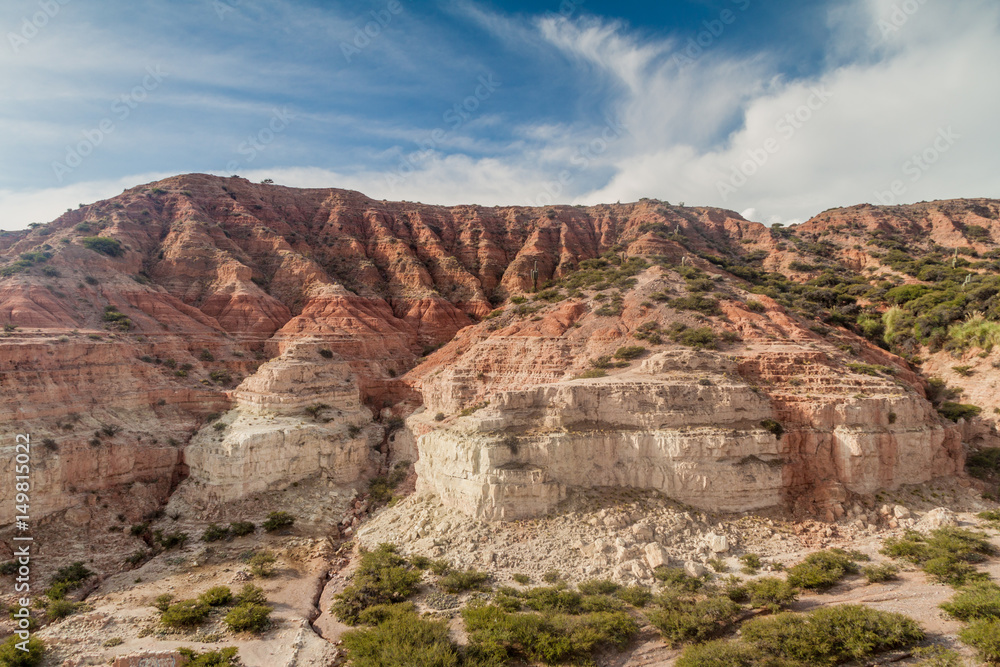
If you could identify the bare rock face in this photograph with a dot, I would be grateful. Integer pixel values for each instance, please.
(693, 425)
(300, 414)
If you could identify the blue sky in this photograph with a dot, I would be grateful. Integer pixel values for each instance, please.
(776, 109)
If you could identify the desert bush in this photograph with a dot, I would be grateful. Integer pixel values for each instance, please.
(956, 411)
(162, 602)
(439, 567)
(214, 533)
(277, 521)
(682, 619)
(552, 599)
(217, 596)
(822, 570)
(637, 596)
(61, 608)
(262, 563)
(980, 600)
(630, 352)
(170, 540)
(946, 554)
(751, 563)
(497, 636)
(401, 639)
(522, 579)
(984, 636)
(701, 338)
(226, 657)
(769, 592)
(382, 577)
(879, 573)
(12, 656)
(8, 568)
(598, 587)
(552, 577)
(831, 635)
(242, 528)
(185, 614)
(250, 594)
(104, 245)
(984, 463)
(248, 617)
(677, 578)
(459, 581)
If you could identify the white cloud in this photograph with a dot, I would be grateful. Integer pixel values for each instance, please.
(18, 208)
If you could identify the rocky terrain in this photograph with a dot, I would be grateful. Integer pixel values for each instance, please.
(601, 391)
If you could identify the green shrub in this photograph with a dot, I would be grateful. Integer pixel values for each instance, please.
(956, 411)
(170, 540)
(979, 600)
(217, 596)
(402, 639)
(277, 521)
(458, 581)
(879, 573)
(682, 619)
(226, 657)
(214, 533)
(262, 563)
(698, 303)
(637, 596)
(8, 568)
(552, 577)
(12, 656)
(553, 599)
(946, 554)
(831, 635)
(769, 592)
(774, 427)
(751, 563)
(592, 373)
(630, 352)
(248, 617)
(984, 636)
(497, 636)
(162, 602)
(185, 614)
(61, 608)
(677, 578)
(822, 570)
(250, 594)
(598, 587)
(382, 577)
(983, 463)
(701, 338)
(440, 567)
(242, 528)
(72, 575)
(522, 579)
(104, 245)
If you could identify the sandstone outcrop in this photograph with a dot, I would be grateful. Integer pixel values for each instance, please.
(298, 416)
(169, 295)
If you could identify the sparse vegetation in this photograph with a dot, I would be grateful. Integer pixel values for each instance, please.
(822, 570)
(278, 520)
(947, 554)
(185, 614)
(383, 577)
(104, 245)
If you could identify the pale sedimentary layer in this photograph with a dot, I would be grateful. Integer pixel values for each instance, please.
(682, 423)
(300, 414)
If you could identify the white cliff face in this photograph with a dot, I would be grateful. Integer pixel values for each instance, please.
(685, 424)
(299, 415)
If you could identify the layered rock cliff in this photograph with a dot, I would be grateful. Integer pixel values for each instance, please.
(130, 321)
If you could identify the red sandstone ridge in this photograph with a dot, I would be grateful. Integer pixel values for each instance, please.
(205, 278)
